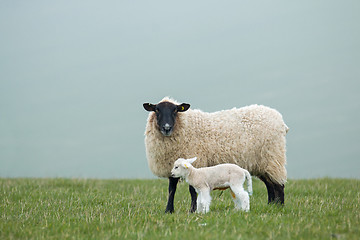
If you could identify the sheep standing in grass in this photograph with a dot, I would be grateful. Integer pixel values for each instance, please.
(220, 177)
(251, 137)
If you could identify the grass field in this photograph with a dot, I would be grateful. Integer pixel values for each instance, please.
(134, 209)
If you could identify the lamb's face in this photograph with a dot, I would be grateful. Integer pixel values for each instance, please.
(166, 113)
(180, 168)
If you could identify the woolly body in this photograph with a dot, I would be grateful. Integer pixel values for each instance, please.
(251, 137)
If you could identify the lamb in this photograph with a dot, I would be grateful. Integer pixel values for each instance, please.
(252, 137)
(220, 177)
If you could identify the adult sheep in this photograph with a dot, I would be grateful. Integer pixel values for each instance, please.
(252, 137)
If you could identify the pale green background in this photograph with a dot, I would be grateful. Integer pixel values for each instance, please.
(74, 75)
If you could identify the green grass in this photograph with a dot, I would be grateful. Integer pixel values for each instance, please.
(134, 209)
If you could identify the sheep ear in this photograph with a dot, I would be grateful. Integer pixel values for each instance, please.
(191, 160)
(185, 165)
(149, 107)
(183, 107)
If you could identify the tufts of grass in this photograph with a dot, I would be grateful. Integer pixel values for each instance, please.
(134, 209)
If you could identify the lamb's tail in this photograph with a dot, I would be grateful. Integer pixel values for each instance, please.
(248, 182)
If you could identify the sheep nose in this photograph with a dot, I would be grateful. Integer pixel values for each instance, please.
(166, 130)
(167, 127)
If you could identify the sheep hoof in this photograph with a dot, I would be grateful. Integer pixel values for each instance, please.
(169, 211)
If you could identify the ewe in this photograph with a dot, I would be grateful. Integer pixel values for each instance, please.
(251, 137)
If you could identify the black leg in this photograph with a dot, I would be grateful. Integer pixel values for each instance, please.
(193, 198)
(172, 189)
(279, 193)
(270, 189)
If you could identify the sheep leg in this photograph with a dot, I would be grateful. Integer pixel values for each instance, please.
(270, 189)
(172, 189)
(193, 198)
(279, 193)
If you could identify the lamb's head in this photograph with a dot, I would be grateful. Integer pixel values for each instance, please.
(181, 167)
(166, 113)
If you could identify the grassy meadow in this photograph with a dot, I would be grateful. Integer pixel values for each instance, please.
(134, 209)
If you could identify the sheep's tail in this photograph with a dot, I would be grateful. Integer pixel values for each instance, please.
(248, 182)
(286, 128)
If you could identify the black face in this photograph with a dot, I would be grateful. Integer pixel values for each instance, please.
(166, 113)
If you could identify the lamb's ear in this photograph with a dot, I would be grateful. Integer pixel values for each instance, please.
(149, 107)
(185, 165)
(191, 160)
(183, 107)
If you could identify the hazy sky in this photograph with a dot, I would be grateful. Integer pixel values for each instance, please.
(74, 75)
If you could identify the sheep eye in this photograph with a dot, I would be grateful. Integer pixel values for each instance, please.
(176, 167)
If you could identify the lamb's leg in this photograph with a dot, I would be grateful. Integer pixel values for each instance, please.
(172, 189)
(269, 187)
(245, 201)
(199, 205)
(240, 198)
(235, 199)
(193, 198)
(207, 203)
(205, 200)
(279, 193)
